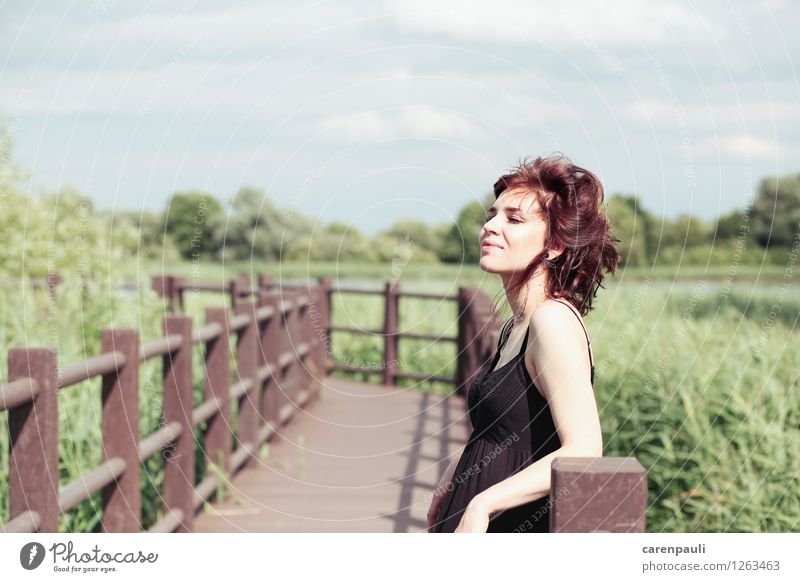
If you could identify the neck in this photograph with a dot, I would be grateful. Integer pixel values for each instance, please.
(527, 298)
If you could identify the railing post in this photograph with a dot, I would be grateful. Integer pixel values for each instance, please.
(33, 430)
(122, 506)
(476, 335)
(247, 367)
(240, 289)
(177, 291)
(315, 362)
(235, 285)
(269, 336)
(306, 365)
(466, 347)
(390, 332)
(598, 494)
(325, 313)
(264, 282)
(162, 285)
(481, 314)
(247, 285)
(283, 344)
(178, 404)
(293, 375)
(219, 435)
(171, 288)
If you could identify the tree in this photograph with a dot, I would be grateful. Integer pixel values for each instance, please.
(775, 218)
(191, 219)
(685, 231)
(401, 250)
(46, 233)
(56, 233)
(10, 175)
(629, 227)
(420, 234)
(461, 243)
(256, 228)
(729, 226)
(142, 235)
(336, 242)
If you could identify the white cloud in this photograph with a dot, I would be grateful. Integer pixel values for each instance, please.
(422, 123)
(648, 109)
(181, 86)
(751, 146)
(738, 146)
(185, 32)
(749, 112)
(612, 22)
(176, 86)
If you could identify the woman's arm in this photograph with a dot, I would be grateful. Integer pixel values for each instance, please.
(557, 348)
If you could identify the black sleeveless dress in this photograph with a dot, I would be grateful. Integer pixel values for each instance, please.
(512, 429)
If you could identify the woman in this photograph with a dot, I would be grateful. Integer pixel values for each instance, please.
(549, 240)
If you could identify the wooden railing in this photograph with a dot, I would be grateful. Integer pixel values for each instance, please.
(587, 494)
(276, 328)
(279, 364)
(477, 325)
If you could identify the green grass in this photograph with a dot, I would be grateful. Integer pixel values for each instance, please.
(699, 382)
(702, 390)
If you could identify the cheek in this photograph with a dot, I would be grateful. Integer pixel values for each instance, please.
(527, 239)
(524, 245)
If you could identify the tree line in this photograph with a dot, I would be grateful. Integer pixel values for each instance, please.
(197, 226)
(64, 232)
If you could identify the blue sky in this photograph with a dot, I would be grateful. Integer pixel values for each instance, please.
(368, 112)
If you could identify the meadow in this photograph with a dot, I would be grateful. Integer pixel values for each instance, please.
(696, 376)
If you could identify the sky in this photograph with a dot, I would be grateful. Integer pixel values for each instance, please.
(370, 112)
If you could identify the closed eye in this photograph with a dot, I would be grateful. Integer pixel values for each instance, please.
(514, 219)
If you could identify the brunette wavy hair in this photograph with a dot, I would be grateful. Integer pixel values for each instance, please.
(570, 198)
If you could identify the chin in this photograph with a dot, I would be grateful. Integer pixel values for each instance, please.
(486, 265)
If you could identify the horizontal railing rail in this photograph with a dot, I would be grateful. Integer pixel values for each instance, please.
(477, 328)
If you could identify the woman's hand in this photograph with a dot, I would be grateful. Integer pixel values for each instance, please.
(440, 493)
(436, 506)
(475, 518)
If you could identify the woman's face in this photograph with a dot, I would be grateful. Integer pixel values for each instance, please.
(513, 234)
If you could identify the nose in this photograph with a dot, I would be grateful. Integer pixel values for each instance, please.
(488, 227)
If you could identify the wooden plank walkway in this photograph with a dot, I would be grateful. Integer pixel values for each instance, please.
(361, 458)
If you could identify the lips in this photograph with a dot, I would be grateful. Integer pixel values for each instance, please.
(487, 244)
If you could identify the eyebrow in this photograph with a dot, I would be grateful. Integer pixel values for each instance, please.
(507, 209)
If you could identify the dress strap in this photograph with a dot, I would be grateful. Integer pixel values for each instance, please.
(500, 342)
(503, 337)
(588, 342)
(503, 342)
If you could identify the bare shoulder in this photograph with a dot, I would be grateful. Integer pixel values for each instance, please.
(557, 352)
(553, 316)
(555, 327)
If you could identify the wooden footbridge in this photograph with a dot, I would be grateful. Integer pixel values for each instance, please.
(288, 447)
